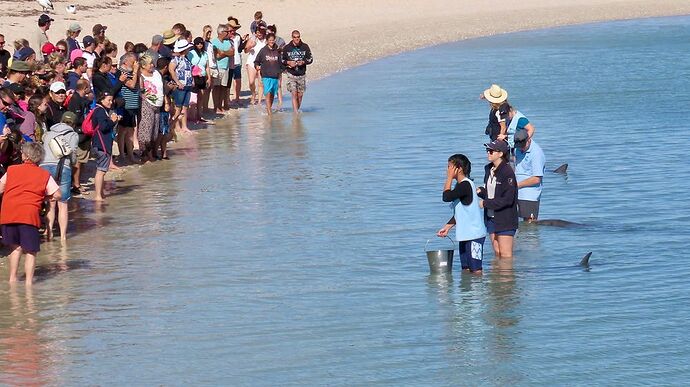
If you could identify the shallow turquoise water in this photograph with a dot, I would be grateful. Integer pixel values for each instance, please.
(291, 251)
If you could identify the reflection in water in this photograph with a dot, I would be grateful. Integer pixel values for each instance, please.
(23, 355)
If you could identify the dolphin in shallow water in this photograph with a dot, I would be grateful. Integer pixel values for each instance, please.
(556, 223)
(563, 169)
(585, 260)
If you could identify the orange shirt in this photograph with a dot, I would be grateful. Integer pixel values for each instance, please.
(25, 187)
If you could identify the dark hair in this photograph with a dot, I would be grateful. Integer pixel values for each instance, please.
(272, 28)
(78, 62)
(129, 46)
(199, 40)
(140, 48)
(102, 95)
(258, 15)
(162, 63)
(461, 161)
(179, 26)
(102, 60)
(34, 102)
(270, 35)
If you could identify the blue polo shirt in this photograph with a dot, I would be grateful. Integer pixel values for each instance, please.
(225, 45)
(528, 164)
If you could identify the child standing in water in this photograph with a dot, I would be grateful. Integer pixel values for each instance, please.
(468, 217)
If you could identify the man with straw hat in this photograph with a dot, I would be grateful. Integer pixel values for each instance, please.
(500, 109)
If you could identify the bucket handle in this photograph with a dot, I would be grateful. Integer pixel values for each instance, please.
(429, 240)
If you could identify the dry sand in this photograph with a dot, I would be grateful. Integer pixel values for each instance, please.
(342, 34)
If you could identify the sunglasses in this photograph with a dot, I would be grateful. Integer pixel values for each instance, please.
(295, 37)
(490, 151)
(60, 92)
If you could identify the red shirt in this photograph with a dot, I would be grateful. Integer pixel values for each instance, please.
(25, 187)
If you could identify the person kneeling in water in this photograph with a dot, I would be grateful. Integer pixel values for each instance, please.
(468, 217)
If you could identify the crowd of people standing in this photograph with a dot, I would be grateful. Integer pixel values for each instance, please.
(66, 102)
(513, 181)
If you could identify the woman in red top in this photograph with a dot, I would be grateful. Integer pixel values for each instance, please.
(25, 187)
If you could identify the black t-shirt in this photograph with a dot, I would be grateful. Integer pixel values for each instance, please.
(496, 116)
(462, 191)
(54, 114)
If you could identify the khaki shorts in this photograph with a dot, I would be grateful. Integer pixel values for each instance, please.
(222, 78)
(296, 83)
(84, 152)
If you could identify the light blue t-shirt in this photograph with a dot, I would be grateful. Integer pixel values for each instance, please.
(225, 45)
(198, 61)
(528, 164)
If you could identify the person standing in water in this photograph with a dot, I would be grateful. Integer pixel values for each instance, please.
(468, 217)
(529, 170)
(499, 199)
(296, 57)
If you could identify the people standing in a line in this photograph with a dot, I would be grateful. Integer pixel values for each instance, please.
(268, 65)
(24, 188)
(499, 199)
(44, 22)
(239, 42)
(468, 217)
(224, 54)
(252, 48)
(180, 69)
(152, 100)
(212, 67)
(102, 142)
(296, 56)
(60, 168)
(529, 171)
(498, 114)
(164, 132)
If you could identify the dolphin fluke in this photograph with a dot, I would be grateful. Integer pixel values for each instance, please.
(585, 259)
(563, 169)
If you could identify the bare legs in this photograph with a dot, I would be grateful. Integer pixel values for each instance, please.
(100, 177)
(29, 263)
(503, 245)
(125, 143)
(269, 103)
(280, 91)
(218, 94)
(252, 75)
(296, 101)
(238, 89)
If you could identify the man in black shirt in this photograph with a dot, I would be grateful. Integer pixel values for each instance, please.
(58, 93)
(500, 109)
(296, 56)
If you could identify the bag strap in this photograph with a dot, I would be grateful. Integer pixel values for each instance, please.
(60, 165)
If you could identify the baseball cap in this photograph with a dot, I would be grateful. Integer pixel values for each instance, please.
(68, 118)
(45, 19)
(48, 48)
(98, 28)
(520, 138)
(57, 86)
(498, 145)
(20, 66)
(74, 27)
(88, 40)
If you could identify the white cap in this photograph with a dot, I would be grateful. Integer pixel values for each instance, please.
(57, 86)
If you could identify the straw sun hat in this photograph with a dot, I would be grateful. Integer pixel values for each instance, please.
(495, 94)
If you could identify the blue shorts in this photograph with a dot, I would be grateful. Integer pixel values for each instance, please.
(270, 85)
(182, 97)
(102, 160)
(472, 254)
(237, 73)
(65, 179)
(491, 229)
(24, 235)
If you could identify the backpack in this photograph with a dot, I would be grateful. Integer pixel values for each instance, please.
(59, 146)
(88, 127)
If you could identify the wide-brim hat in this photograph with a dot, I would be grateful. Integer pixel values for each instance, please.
(182, 45)
(169, 37)
(495, 94)
(233, 24)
